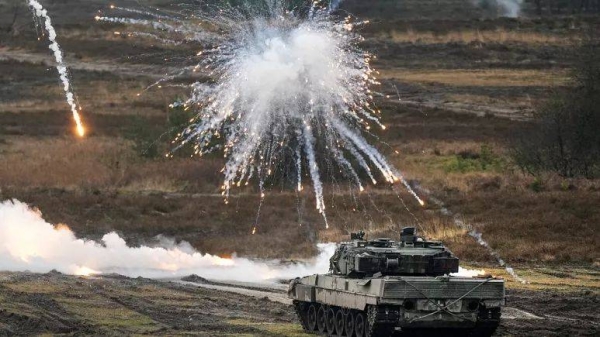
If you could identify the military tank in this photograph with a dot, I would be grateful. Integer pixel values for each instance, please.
(382, 287)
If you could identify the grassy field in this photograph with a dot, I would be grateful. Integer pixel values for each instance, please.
(111, 181)
(563, 300)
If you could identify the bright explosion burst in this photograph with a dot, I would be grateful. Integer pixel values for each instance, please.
(290, 86)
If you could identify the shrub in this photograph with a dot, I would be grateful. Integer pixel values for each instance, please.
(144, 137)
(179, 119)
(537, 185)
(467, 161)
(565, 135)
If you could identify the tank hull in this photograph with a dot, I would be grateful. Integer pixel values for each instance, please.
(392, 303)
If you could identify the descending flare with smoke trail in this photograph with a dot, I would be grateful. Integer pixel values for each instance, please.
(42, 15)
(290, 86)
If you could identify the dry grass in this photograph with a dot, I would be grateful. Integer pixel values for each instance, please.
(524, 219)
(483, 100)
(483, 78)
(467, 36)
(66, 163)
(563, 279)
(100, 163)
(180, 198)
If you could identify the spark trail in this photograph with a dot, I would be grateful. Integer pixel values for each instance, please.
(41, 14)
(290, 87)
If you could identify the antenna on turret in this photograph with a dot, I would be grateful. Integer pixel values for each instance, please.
(360, 236)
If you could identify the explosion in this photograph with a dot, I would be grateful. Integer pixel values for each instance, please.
(291, 91)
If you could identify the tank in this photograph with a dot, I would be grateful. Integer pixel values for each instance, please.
(383, 288)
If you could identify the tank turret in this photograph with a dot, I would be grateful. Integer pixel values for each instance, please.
(413, 255)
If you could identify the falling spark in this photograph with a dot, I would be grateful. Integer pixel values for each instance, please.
(41, 13)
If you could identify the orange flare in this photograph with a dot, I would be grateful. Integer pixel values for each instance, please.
(62, 227)
(79, 123)
(85, 271)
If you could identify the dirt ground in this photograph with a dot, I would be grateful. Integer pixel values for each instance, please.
(112, 305)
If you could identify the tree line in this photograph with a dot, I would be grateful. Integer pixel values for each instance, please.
(542, 7)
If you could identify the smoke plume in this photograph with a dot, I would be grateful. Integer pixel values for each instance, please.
(29, 243)
(508, 8)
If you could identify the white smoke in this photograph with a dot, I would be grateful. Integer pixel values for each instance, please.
(508, 8)
(334, 4)
(29, 243)
(512, 8)
(464, 272)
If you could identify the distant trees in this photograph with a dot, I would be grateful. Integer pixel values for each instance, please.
(565, 6)
(14, 8)
(565, 137)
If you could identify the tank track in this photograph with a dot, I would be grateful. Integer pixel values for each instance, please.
(301, 310)
(377, 328)
(483, 331)
(487, 323)
(376, 323)
(380, 323)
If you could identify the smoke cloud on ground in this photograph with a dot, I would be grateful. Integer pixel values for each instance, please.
(29, 243)
(508, 8)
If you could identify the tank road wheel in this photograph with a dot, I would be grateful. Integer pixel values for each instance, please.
(330, 322)
(359, 324)
(321, 319)
(349, 324)
(311, 318)
(339, 322)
